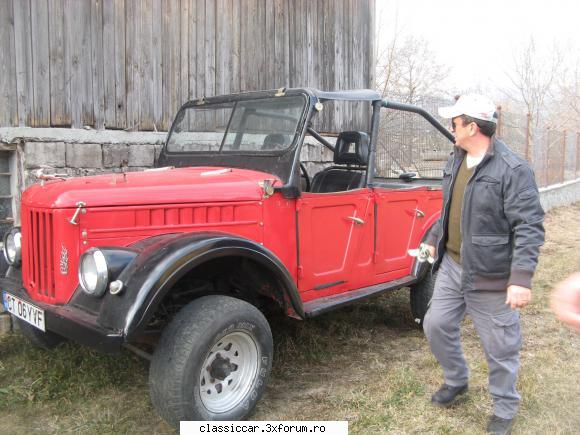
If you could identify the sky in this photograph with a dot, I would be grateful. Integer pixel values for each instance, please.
(477, 39)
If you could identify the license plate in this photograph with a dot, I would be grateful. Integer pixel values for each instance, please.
(23, 310)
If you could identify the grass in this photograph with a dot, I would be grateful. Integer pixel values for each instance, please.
(365, 363)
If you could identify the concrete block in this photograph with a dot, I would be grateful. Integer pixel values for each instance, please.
(115, 155)
(158, 149)
(38, 154)
(84, 155)
(142, 155)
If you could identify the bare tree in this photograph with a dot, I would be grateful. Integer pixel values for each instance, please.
(533, 79)
(407, 67)
(568, 96)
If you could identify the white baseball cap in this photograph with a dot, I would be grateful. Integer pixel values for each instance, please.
(473, 105)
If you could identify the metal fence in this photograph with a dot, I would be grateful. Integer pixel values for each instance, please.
(408, 143)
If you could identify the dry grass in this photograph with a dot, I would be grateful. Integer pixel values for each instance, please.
(365, 363)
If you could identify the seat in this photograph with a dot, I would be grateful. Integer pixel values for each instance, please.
(275, 141)
(351, 152)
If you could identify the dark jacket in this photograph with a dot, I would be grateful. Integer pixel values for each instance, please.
(501, 222)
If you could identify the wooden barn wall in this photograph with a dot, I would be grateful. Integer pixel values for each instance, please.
(128, 64)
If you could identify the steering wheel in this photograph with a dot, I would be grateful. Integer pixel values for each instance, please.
(304, 174)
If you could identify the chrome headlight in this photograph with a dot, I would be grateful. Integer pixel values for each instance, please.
(13, 246)
(93, 272)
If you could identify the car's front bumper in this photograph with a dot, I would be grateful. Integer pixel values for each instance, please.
(68, 321)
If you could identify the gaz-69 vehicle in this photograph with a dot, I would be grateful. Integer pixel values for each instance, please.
(189, 255)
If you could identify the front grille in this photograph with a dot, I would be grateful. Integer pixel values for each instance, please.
(38, 253)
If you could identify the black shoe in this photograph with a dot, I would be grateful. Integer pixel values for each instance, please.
(499, 426)
(447, 394)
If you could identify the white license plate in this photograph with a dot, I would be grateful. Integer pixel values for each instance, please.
(23, 310)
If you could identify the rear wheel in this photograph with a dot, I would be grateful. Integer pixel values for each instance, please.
(44, 340)
(421, 294)
(212, 362)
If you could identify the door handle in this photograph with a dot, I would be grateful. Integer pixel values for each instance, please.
(356, 220)
(419, 213)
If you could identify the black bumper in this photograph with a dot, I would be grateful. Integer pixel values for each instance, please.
(68, 321)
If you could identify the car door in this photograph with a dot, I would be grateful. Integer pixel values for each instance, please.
(334, 240)
(397, 212)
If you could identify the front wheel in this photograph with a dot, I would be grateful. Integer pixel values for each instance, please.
(212, 362)
(421, 294)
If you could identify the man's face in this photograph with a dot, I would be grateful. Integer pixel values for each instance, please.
(463, 132)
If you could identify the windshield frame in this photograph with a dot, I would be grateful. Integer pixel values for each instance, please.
(235, 99)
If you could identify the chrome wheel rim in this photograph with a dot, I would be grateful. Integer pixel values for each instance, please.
(228, 372)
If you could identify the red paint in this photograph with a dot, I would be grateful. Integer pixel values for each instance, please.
(342, 245)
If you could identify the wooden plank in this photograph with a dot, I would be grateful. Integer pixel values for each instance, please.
(210, 41)
(120, 62)
(133, 59)
(98, 64)
(260, 43)
(328, 56)
(311, 16)
(23, 56)
(300, 41)
(339, 41)
(223, 46)
(192, 30)
(108, 63)
(270, 45)
(40, 63)
(200, 48)
(252, 47)
(223, 50)
(371, 48)
(292, 18)
(78, 54)
(235, 84)
(86, 64)
(210, 67)
(281, 59)
(171, 62)
(144, 68)
(183, 83)
(157, 66)
(8, 95)
(60, 101)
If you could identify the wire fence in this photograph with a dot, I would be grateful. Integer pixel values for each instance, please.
(408, 143)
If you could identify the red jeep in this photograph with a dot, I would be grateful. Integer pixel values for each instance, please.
(186, 256)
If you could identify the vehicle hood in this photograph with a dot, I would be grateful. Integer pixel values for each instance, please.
(157, 186)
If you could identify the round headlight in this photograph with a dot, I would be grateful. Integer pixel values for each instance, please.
(93, 272)
(13, 246)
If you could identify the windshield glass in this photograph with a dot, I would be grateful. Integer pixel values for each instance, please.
(264, 125)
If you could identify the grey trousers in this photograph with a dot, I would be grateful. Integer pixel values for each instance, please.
(498, 328)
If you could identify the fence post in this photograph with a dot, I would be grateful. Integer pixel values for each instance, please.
(528, 137)
(563, 159)
(499, 130)
(577, 172)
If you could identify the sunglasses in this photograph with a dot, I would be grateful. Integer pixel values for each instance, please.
(454, 125)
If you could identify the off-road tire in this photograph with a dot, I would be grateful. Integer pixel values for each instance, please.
(420, 295)
(43, 340)
(190, 361)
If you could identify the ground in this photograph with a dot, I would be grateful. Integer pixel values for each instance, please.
(365, 363)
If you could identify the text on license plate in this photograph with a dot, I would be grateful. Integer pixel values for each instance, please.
(23, 310)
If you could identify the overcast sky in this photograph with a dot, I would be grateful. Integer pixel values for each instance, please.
(477, 39)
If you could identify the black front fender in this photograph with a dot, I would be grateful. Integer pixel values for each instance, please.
(163, 260)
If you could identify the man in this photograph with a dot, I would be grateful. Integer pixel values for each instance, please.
(487, 243)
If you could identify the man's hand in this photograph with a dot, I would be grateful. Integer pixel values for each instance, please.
(431, 249)
(566, 301)
(518, 297)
